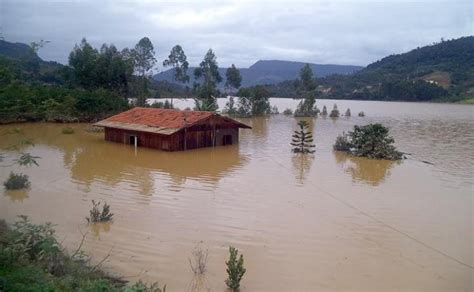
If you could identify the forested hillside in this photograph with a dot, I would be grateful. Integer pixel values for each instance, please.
(442, 72)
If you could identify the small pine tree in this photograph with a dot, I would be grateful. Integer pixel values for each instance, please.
(348, 112)
(303, 139)
(235, 269)
(335, 112)
(325, 111)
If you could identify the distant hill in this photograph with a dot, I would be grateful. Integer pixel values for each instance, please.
(442, 71)
(26, 64)
(270, 72)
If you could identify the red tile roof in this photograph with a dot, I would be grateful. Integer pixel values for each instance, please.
(161, 118)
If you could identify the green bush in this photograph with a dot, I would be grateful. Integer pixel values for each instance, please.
(335, 112)
(342, 143)
(16, 181)
(68, 130)
(361, 114)
(96, 215)
(235, 269)
(288, 112)
(144, 287)
(372, 141)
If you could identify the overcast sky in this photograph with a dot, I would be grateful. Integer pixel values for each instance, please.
(241, 32)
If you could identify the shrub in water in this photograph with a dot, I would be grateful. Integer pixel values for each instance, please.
(348, 112)
(235, 269)
(361, 114)
(96, 215)
(372, 141)
(288, 112)
(325, 111)
(335, 112)
(16, 181)
(68, 130)
(303, 139)
(342, 143)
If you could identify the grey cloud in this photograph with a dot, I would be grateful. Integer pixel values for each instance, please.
(241, 32)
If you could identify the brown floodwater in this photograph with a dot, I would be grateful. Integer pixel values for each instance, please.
(326, 221)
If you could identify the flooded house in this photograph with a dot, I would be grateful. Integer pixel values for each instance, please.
(171, 130)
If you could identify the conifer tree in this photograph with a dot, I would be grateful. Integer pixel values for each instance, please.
(303, 139)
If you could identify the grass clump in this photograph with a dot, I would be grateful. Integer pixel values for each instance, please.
(67, 131)
(17, 181)
(235, 269)
(98, 215)
(371, 141)
(32, 259)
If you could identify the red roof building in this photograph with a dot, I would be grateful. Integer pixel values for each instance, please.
(171, 130)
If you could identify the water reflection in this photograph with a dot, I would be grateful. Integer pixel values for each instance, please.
(100, 227)
(369, 171)
(17, 195)
(302, 166)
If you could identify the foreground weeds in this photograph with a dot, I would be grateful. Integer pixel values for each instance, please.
(32, 259)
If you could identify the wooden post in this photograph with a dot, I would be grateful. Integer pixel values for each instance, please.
(185, 128)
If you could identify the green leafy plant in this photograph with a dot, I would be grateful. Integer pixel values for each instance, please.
(144, 287)
(98, 215)
(303, 139)
(235, 269)
(16, 181)
(372, 141)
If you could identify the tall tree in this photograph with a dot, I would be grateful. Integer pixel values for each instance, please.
(208, 75)
(144, 60)
(234, 79)
(178, 60)
(83, 59)
(307, 107)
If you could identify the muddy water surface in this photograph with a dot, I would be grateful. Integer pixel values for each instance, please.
(304, 223)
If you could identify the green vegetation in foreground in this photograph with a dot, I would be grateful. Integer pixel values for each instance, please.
(235, 269)
(17, 181)
(371, 141)
(31, 259)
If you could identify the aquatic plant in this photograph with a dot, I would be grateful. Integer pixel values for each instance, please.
(348, 112)
(16, 181)
(335, 112)
(288, 112)
(96, 215)
(302, 139)
(235, 269)
(67, 130)
(372, 141)
(198, 262)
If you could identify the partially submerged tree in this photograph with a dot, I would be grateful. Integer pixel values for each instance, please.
(98, 215)
(206, 89)
(335, 112)
(348, 112)
(324, 112)
(302, 139)
(235, 269)
(372, 141)
(307, 107)
(253, 101)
